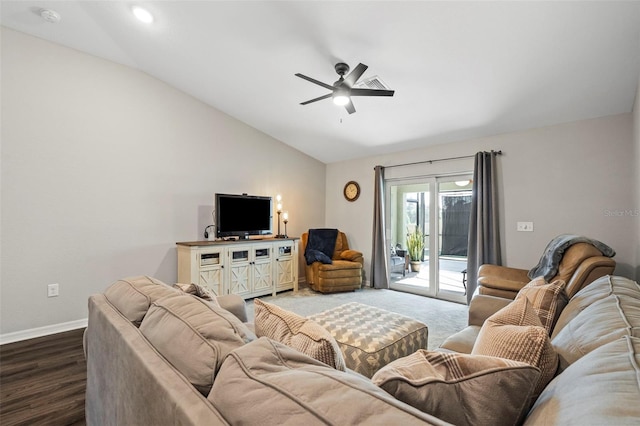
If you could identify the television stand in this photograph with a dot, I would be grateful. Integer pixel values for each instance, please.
(248, 268)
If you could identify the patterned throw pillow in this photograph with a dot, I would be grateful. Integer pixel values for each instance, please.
(515, 332)
(547, 299)
(198, 291)
(492, 390)
(297, 332)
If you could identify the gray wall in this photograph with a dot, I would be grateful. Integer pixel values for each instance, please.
(104, 168)
(570, 178)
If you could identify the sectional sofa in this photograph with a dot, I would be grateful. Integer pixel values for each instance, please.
(156, 355)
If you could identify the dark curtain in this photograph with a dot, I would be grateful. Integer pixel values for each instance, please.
(484, 232)
(456, 212)
(379, 275)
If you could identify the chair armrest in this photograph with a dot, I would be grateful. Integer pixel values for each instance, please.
(500, 283)
(483, 306)
(352, 255)
(512, 274)
(234, 304)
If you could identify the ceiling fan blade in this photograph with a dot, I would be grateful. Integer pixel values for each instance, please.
(371, 92)
(317, 99)
(354, 75)
(349, 107)
(313, 80)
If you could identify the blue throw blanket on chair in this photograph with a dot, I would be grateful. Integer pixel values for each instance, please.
(320, 245)
(550, 260)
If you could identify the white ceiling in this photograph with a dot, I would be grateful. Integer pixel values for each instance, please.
(460, 70)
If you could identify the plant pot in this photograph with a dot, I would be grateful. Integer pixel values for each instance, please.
(415, 265)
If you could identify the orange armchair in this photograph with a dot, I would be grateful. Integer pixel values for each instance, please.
(343, 274)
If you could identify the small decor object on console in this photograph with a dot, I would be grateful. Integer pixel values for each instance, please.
(285, 219)
(351, 190)
(279, 211)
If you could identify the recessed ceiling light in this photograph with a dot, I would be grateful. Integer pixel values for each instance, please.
(50, 15)
(143, 15)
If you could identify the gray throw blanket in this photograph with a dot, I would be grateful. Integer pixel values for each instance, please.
(550, 260)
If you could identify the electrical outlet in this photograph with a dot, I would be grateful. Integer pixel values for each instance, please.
(53, 290)
(525, 226)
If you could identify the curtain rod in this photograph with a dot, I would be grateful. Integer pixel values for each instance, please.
(439, 159)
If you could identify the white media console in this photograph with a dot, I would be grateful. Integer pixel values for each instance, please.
(248, 268)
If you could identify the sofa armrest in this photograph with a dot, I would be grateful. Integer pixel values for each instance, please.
(483, 306)
(504, 272)
(234, 304)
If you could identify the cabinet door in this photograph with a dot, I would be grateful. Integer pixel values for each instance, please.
(285, 266)
(239, 270)
(262, 275)
(212, 280)
(211, 267)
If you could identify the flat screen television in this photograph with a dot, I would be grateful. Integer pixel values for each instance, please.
(243, 215)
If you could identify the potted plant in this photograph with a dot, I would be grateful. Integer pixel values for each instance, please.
(415, 246)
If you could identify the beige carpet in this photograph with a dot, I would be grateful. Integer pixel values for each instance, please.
(442, 318)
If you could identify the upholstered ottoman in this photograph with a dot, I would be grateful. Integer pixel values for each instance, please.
(370, 337)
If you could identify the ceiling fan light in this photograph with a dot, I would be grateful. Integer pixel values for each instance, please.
(143, 15)
(340, 100)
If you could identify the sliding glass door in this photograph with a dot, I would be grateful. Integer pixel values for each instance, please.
(434, 211)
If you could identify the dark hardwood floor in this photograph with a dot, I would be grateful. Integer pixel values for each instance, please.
(43, 380)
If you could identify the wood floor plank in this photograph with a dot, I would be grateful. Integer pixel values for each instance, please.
(43, 381)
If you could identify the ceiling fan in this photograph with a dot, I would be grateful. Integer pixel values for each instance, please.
(343, 89)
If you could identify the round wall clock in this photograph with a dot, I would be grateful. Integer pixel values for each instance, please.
(351, 190)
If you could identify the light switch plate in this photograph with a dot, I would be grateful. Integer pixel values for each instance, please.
(53, 290)
(525, 226)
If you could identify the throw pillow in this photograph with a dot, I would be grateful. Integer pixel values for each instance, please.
(515, 332)
(297, 332)
(547, 299)
(492, 390)
(198, 291)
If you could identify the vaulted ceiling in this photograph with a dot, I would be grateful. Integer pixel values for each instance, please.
(460, 70)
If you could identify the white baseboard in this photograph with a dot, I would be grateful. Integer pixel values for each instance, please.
(32, 333)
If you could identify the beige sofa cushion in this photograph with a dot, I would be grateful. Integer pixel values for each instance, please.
(601, 388)
(461, 389)
(547, 299)
(297, 332)
(268, 383)
(515, 333)
(194, 336)
(597, 290)
(604, 321)
(133, 296)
